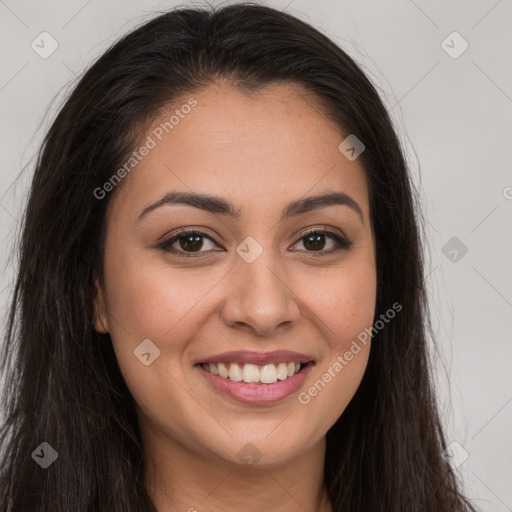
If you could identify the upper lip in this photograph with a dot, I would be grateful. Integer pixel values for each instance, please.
(258, 358)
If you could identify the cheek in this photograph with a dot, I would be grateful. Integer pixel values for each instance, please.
(343, 302)
(149, 300)
(344, 310)
(154, 299)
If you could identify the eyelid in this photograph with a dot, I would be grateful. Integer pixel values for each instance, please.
(200, 230)
(323, 230)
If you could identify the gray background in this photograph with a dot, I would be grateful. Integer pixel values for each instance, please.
(454, 117)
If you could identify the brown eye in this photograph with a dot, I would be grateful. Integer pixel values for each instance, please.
(190, 242)
(315, 241)
(186, 243)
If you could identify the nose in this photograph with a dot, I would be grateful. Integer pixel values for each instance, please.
(260, 297)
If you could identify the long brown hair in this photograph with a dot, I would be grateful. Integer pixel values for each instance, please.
(63, 383)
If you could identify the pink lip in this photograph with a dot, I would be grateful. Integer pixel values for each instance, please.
(256, 394)
(258, 358)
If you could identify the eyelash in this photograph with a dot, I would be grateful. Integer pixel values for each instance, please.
(342, 243)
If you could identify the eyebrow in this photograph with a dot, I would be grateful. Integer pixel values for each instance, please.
(218, 205)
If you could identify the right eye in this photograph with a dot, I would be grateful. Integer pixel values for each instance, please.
(188, 241)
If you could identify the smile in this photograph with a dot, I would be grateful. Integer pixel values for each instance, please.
(257, 378)
(251, 373)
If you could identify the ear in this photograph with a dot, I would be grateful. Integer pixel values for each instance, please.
(100, 313)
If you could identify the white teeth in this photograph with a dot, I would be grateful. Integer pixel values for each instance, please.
(251, 373)
(282, 371)
(235, 373)
(268, 374)
(223, 371)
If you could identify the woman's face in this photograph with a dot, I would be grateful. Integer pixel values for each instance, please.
(253, 291)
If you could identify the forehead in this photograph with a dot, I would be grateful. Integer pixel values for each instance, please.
(275, 144)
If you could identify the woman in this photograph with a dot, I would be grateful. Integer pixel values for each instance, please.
(220, 300)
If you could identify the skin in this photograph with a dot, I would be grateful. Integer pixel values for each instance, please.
(259, 152)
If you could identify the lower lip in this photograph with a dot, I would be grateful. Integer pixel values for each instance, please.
(257, 394)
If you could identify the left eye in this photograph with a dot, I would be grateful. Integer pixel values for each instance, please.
(315, 240)
(191, 242)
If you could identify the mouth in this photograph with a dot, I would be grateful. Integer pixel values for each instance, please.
(256, 378)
